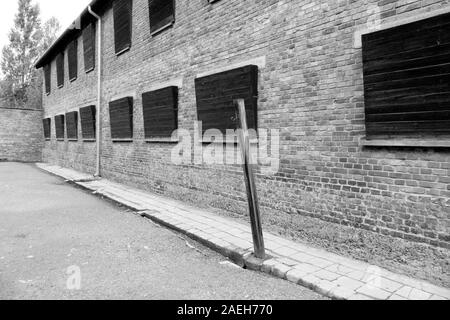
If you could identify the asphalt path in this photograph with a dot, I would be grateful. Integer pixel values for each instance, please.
(60, 242)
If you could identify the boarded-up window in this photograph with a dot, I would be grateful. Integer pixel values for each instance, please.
(162, 14)
(87, 116)
(59, 127)
(121, 118)
(407, 79)
(48, 78)
(89, 47)
(60, 69)
(122, 24)
(215, 95)
(72, 125)
(47, 125)
(72, 53)
(160, 110)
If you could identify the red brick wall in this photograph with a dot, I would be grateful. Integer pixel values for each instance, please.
(310, 88)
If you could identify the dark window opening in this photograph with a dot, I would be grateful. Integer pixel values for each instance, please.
(121, 119)
(215, 95)
(407, 80)
(60, 69)
(160, 109)
(47, 128)
(60, 127)
(122, 11)
(72, 125)
(72, 53)
(162, 14)
(47, 78)
(89, 47)
(88, 122)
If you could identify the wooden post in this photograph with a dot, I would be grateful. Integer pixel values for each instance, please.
(255, 217)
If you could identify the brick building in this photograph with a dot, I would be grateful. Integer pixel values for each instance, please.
(357, 89)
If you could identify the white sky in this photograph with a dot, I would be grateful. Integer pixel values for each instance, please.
(65, 10)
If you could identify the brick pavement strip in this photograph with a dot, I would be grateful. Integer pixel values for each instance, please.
(329, 274)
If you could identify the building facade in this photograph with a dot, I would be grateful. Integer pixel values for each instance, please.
(357, 90)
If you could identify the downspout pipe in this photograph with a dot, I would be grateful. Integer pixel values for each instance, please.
(99, 91)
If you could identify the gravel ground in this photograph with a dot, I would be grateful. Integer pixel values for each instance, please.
(50, 231)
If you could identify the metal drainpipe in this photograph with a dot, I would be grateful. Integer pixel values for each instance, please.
(99, 90)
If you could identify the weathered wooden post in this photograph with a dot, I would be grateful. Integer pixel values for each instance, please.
(255, 217)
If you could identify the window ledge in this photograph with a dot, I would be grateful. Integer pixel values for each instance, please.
(60, 86)
(123, 51)
(417, 143)
(89, 70)
(229, 141)
(129, 140)
(61, 140)
(72, 140)
(89, 140)
(162, 28)
(73, 79)
(161, 140)
(48, 139)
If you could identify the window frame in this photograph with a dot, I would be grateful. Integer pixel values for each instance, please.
(60, 120)
(89, 39)
(72, 116)
(114, 109)
(92, 111)
(203, 104)
(150, 106)
(117, 9)
(48, 78)
(47, 123)
(60, 74)
(72, 53)
(403, 126)
(165, 26)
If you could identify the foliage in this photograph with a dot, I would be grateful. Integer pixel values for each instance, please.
(28, 39)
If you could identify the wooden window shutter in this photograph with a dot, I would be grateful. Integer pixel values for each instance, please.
(73, 59)
(407, 80)
(59, 127)
(89, 47)
(60, 69)
(47, 78)
(162, 13)
(122, 24)
(72, 125)
(160, 109)
(121, 118)
(88, 122)
(215, 95)
(47, 128)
